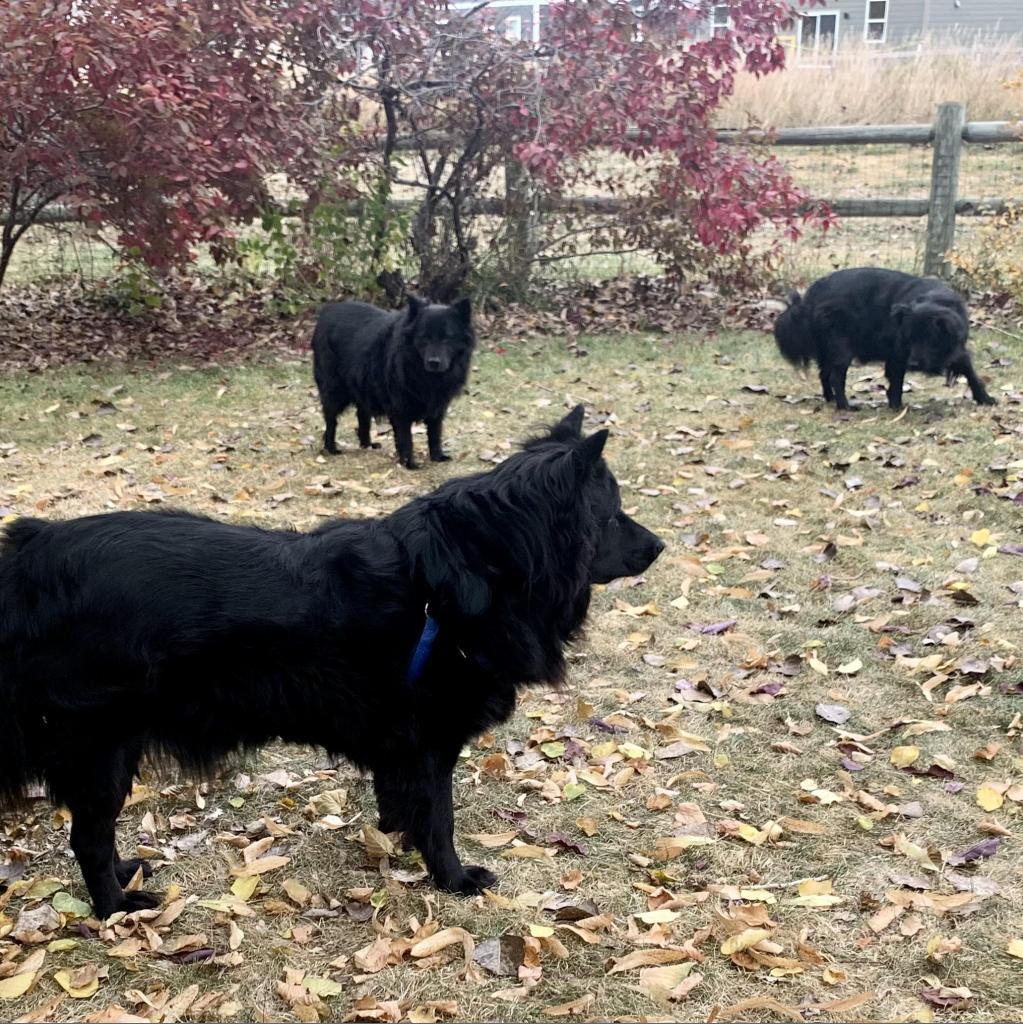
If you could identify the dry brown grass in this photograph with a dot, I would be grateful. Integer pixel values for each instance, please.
(863, 86)
(748, 490)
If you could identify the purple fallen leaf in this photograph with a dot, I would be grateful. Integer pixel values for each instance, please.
(910, 810)
(968, 565)
(194, 956)
(934, 771)
(1011, 549)
(770, 689)
(772, 563)
(569, 907)
(501, 957)
(979, 851)
(677, 749)
(850, 765)
(906, 481)
(979, 884)
(714, 628)
(601, 726)
(516, 817)
(834, 713)
(791, 666)
(852, 482)
(756, 389)
(566, 842)
(973, 666)
(905, 583)
(910, 881)
(954, 787)
(943, 998)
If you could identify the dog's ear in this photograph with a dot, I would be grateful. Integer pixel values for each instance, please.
(571, 427)
(793, 298)
(445, 571)
(415, 307)
(463, 310)
(592, 448)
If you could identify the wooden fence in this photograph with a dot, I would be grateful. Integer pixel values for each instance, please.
(946, 137)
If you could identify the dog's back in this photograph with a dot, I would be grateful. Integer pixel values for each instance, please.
(344, 334)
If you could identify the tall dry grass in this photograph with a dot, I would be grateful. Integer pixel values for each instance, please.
(864, 86)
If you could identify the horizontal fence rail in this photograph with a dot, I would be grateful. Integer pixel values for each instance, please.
(945, 137)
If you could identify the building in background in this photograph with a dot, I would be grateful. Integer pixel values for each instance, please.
(819, 32)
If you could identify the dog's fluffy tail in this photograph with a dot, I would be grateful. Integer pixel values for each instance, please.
(19, 758)
(792, 332)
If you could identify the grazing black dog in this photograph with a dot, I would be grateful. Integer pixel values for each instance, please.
(172, 634)
(406, 365)
(871, 315)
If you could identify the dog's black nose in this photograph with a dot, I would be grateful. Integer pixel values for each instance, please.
(433, 364)
(659, 547)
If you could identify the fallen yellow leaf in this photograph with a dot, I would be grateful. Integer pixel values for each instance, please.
(746, 938)
(989, 798)
(903, 757)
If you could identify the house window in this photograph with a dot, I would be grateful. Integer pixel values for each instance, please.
(875, 27)
(511, 27)
(720, 21)
(818, 35)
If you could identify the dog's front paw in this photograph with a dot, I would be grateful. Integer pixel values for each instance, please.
(439, 457)
(987, 399)
(125, 869)
(472, 881)
(411, 464)
(129, 903)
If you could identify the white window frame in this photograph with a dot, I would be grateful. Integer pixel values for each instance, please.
(511, 27)
(883, 22)
(816, 51)
(716, 25)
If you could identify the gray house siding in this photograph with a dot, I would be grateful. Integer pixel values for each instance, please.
(906, 20)
(1004, 17)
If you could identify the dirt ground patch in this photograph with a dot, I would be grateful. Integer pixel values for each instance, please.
(787, 767)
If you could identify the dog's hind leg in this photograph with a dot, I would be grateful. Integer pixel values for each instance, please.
(390, 809)
(420, 797)
(825, 375)
(838, 385)
(332, 408)
(93, 784)
(365, 422)
(125, 868)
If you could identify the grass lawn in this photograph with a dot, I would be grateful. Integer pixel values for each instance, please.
(712, 836)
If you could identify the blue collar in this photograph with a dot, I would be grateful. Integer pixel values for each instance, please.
(421, 655)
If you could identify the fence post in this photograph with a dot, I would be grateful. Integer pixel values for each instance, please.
(941, 216)
(520, 228)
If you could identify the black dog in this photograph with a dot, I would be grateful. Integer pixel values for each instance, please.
(172, 634)
(872, 315)
(405, 365)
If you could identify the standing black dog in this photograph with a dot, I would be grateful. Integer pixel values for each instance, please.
(172, 634)
(406, 365)
(871, 315)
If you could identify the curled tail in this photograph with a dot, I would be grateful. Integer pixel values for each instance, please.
(792, 333)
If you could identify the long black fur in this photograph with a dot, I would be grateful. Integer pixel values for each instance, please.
(161, 633)
(871, 315)
(406, 366)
